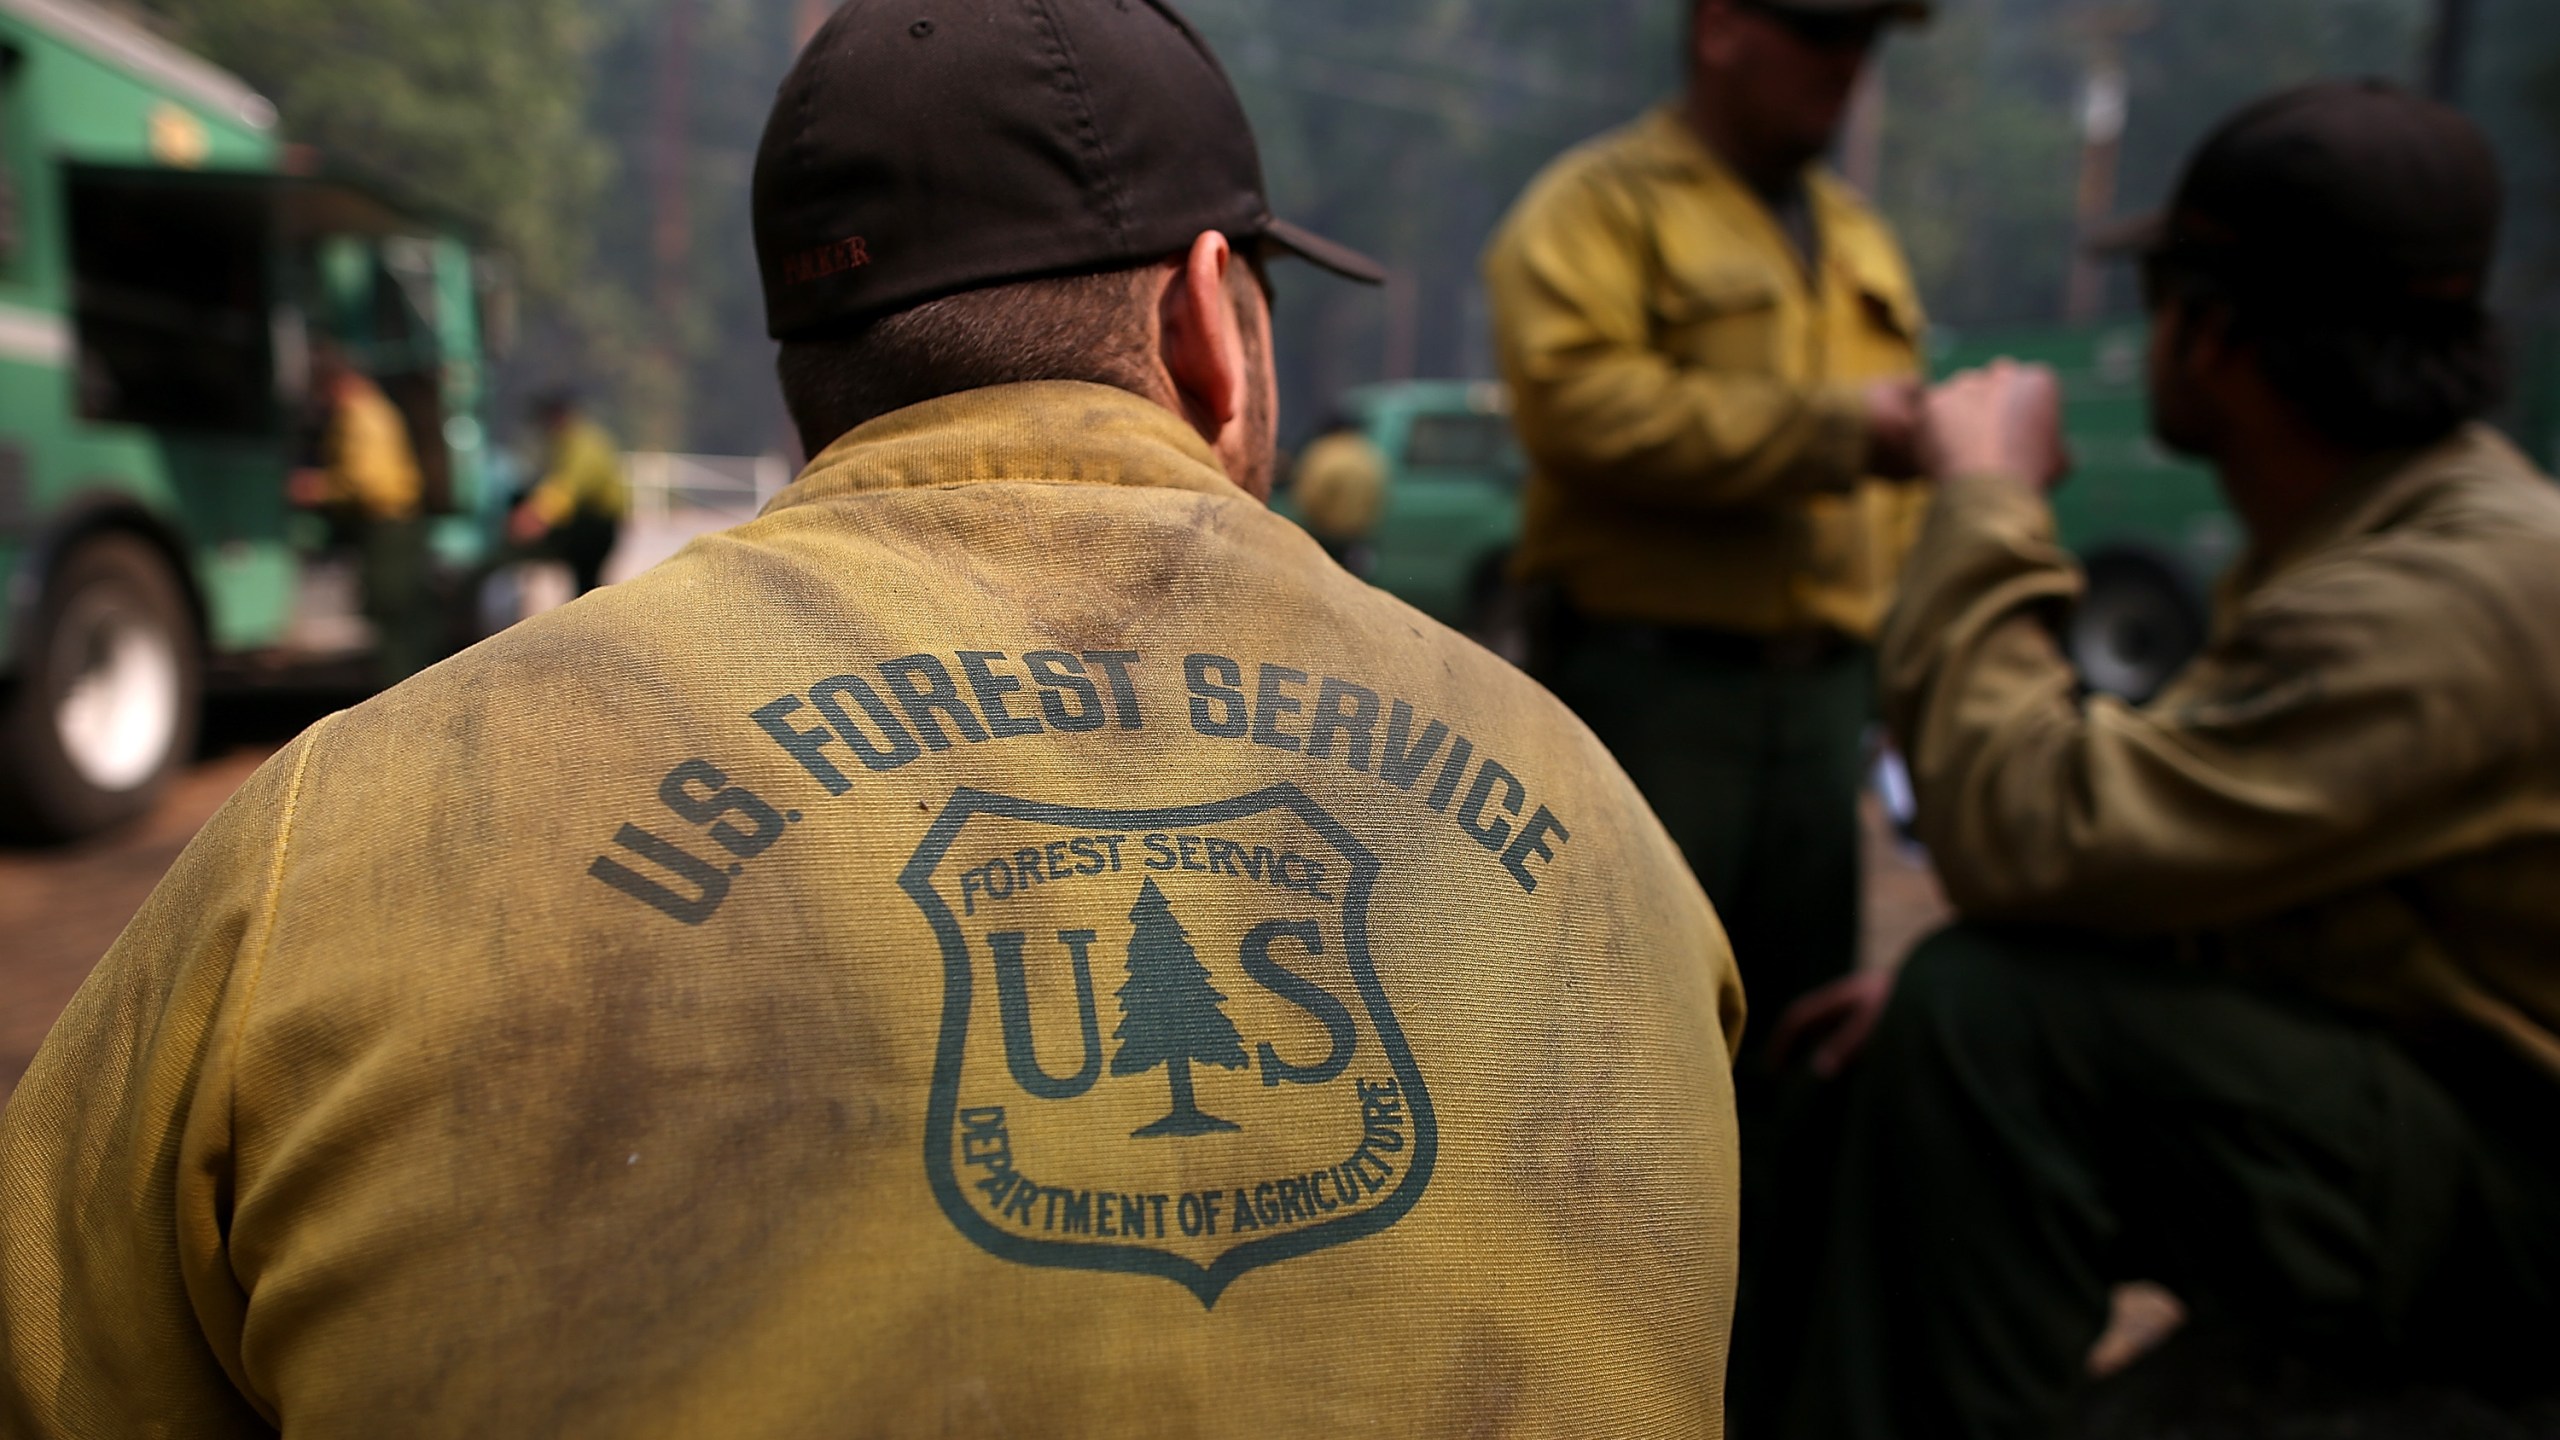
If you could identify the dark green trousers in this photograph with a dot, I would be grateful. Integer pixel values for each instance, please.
(397, 597)
(2040, 1117)
(1755, 769)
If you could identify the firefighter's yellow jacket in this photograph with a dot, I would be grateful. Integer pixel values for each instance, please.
(1341, 486)
(1010, 942)
(2357, 784)
(1689, 391)
(581, 475)
(366, 456)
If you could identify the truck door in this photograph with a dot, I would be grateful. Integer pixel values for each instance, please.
(173, 309)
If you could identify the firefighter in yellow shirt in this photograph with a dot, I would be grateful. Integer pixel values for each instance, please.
(2258, 993)
(1012, 941)
(1340, 487)
(1713, 348)
(575, 511)
(369, 485)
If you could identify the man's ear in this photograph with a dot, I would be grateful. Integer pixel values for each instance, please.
(1203, 340)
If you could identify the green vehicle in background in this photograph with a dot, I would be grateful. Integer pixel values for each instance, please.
(2151, 528)
(167, 263)
(1443, 538)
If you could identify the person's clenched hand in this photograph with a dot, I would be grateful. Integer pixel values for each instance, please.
(2004, 419)
(1836, 1020)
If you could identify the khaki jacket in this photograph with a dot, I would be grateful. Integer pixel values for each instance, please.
(369, 462)
(1690, 396)
(2357, 784)
(1011, 942)
(581, 475)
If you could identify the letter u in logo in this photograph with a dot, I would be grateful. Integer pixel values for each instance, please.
(1013, 1005)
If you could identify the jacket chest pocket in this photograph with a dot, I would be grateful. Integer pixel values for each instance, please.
(1722, 317)
(1877, 327)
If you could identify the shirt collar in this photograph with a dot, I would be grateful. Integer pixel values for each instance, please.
(2377, 496)
(1047, 432)
(1670, 143)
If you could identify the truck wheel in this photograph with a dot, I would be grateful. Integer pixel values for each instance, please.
(2138, 625)
(108, 693)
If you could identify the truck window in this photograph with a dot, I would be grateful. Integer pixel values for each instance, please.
(170, 302)
(1459, 442)
(12, 60)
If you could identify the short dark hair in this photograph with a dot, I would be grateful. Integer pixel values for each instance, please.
(2368, 372)
(1072, 327)
(1090, 327)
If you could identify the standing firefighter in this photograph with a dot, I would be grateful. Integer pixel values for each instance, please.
(369, 486)
(575, 511)
(1713, 349)
(2287, 1034)
(1341, 489)
(1012, 941)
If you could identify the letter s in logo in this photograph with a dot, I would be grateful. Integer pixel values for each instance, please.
(1307, 995)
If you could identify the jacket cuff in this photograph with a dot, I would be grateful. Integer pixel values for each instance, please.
(2002, 505)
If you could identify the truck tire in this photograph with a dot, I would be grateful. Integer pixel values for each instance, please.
(2138, 625)
(108, 696)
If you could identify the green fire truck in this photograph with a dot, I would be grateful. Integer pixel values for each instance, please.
(167, 264)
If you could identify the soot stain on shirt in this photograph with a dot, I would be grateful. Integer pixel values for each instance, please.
(1488, 1379)
(693, 1117)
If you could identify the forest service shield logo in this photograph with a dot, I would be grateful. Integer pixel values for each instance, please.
(1164, 1047)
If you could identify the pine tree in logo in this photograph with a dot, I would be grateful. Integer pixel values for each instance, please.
(1169, 1016)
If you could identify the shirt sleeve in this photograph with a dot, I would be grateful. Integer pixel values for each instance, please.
(1600, 407)
(119, 1314)
(2335, 731)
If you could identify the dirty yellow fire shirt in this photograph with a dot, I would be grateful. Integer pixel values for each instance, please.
(1010, 942)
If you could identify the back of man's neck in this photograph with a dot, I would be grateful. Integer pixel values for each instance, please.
(2279, 480)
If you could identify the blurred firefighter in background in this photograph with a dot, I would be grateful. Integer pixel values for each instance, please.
(1340, 486)
(367, 483)
(1714, 349)
(2255, 994)
(574, 513)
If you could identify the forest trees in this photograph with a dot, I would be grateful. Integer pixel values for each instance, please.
(606, 144)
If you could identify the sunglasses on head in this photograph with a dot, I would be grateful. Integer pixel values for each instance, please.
(1821, 29)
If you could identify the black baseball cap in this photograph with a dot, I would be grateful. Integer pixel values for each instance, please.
(2343, 188)
(1913, 10)
(920, 148)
